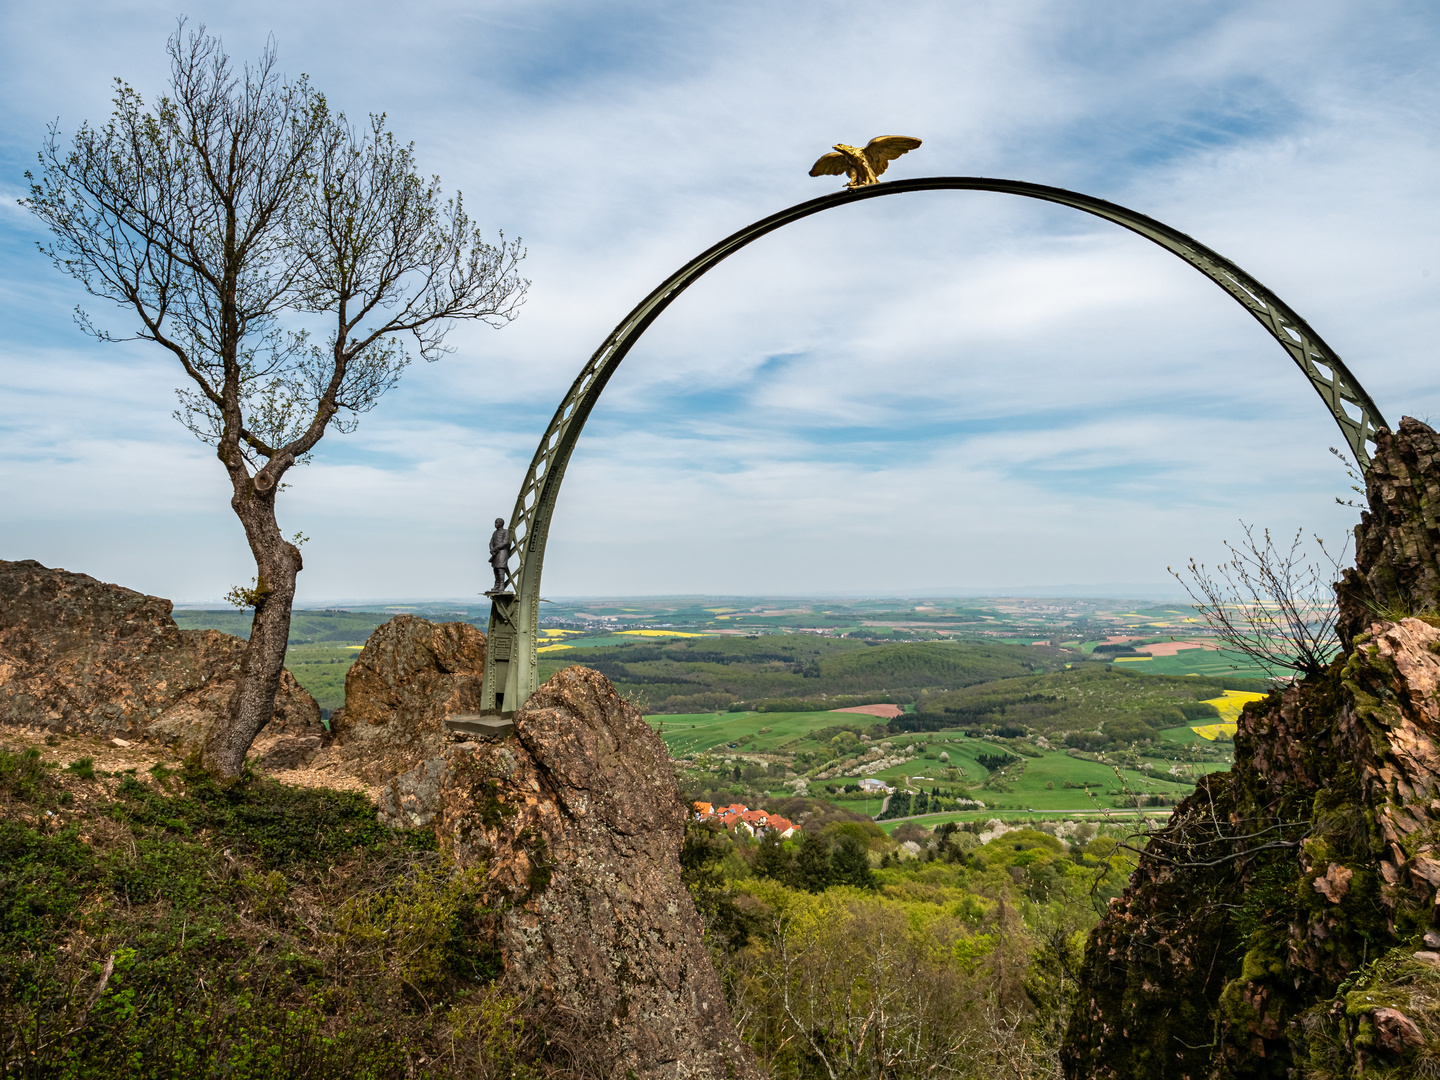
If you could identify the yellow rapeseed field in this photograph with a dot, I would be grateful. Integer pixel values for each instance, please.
(1229, 705)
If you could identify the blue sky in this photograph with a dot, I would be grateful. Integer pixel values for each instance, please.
(945, 390)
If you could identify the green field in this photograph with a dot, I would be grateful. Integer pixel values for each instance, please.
(767, 747)
(1030, 787)
(1085, 697)
(1212, 663)
(322, 644)
(691, 679)
(554, 645)
(321, 669)
(306, 627)
(693, 733)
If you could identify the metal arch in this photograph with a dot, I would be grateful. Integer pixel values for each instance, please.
(511, 674)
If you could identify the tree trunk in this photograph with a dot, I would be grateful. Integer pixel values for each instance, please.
(277, 564)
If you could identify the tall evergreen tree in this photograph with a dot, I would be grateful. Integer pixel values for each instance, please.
(812, 864)
(773, 860)
(850, 864)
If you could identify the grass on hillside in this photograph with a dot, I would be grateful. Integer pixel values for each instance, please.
(1124, 818)
(168, 926)
(306, 627)
(321, 669)
(818, 744)
(1038, 782)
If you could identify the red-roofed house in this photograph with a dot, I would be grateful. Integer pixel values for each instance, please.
(783, 827)
(752, 822)
(755, 821)
(730, 814)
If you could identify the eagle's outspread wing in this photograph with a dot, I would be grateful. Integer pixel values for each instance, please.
(832, 164)
(883, 149)
(864, 166)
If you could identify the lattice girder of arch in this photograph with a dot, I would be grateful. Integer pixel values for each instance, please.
(1350, 406)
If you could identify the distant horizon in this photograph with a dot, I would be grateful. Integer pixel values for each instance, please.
(1102, 591)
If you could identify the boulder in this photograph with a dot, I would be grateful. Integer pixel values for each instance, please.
(410, 676)
(1397, 1031)
(578, 822)
(80, 656)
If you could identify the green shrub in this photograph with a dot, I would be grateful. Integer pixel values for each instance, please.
(23, 776)
(84, 768)
(406, 931)
(277, 823)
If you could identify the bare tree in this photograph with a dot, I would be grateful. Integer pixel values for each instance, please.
(286, 260)
(1274, 604)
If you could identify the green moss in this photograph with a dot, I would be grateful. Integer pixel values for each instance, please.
(1359, 1002)
(541, 872)
(1269, 897)
(490, 808)
(1258, 964)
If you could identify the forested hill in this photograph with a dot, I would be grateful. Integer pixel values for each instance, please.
(795, 672)
(1079, 698)
(306, 627)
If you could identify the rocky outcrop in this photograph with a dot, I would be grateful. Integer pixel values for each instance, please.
(78, 655)
(1272, 928)
(577, 819)
(1397, 543)
(410, 676)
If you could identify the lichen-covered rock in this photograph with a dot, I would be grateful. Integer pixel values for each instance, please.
(1313, 866)
(1397, 543)
(577, 819)
(78, 655)
(410, 676)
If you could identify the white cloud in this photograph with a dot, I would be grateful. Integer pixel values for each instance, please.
(948, 389)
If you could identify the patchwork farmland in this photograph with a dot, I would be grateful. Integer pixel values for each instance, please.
(1126, 713)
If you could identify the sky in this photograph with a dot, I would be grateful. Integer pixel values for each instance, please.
(941, 391)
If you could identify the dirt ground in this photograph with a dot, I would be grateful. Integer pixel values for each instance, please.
(1170, 648)
(110, 756)
(884, 711)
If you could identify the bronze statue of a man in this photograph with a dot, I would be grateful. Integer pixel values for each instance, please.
(501, 541)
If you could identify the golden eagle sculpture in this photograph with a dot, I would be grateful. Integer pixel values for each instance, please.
(864, 166)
